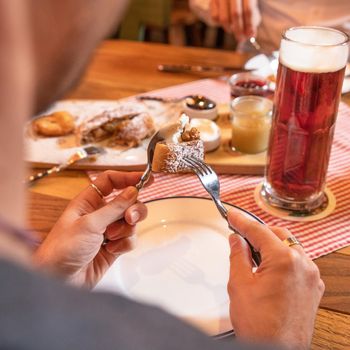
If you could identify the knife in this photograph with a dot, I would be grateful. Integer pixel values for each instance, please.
(178, 68)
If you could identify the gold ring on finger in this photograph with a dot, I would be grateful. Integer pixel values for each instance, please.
(291, 240)
(99, 192)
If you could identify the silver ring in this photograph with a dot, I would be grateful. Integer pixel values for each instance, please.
(97, 190)
(290, 241)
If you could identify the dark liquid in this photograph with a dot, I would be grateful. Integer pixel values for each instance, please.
(249, 87)
(306, 106)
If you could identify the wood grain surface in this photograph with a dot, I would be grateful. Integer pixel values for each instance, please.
(120, 69)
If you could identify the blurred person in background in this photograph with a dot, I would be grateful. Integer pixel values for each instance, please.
(45, 45)
(268, 19)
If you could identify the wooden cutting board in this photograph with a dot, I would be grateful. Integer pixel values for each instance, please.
(46, 152)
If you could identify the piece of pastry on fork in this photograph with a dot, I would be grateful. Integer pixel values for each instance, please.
(182, 141)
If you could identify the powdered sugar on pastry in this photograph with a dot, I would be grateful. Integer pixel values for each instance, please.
(173, 163)
(180, 141)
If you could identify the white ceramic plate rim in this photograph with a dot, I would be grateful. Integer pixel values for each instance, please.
(228, 332)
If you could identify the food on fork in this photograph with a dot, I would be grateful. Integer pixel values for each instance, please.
(55, 124)
(122, 126)
(182, 141)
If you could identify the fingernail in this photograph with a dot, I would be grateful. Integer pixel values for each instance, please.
(135, 216)
(129, 192)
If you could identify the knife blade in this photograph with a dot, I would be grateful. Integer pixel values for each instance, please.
(178, 68)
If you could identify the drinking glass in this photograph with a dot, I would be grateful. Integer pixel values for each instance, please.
(311, 69)
(251, 123)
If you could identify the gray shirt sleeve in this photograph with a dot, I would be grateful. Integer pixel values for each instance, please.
(40, 313)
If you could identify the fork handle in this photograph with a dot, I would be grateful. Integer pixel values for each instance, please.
(223, 211)
(144, 178)
(45, 173)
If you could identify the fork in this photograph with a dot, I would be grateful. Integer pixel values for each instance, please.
(211, 184)
(82, 153)
(157, 137)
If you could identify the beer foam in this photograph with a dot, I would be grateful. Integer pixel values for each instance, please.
(314, 50)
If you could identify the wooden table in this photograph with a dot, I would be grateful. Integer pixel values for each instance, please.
(120, 69)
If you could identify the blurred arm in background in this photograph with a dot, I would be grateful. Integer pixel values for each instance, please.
(268, 19)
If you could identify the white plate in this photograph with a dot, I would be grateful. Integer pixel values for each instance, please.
(45, 151)
(181, 263)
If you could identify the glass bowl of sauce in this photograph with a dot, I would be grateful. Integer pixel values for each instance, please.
(251, 123)
(243, 84)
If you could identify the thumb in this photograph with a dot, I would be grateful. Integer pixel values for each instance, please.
(240, 258)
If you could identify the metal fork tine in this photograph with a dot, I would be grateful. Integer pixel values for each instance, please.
(199, 164)
(204, 166)
(209, 169)
(198, 170)
(93, 150)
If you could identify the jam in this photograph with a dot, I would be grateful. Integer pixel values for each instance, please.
(243, 84)
(251, 84)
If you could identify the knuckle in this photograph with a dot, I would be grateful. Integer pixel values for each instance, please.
(321, 286)
(313, 275)
(108, 173)
(231, 289)
(290, 259)
(104, 175)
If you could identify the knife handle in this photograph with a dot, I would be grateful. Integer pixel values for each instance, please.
(174, 68)
(178, 68)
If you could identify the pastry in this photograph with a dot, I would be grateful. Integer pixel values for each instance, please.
(56, 124)
(132, 132)
(120, 126)
(182, 141)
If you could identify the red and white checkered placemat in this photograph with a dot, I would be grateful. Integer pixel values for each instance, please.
(318, 237)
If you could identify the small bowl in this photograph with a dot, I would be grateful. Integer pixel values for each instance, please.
(243, 84)
(198, 106)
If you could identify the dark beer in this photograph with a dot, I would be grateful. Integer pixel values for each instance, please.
(309, 81)
(306, 106)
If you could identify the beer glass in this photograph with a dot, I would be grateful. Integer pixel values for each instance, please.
(311, 69)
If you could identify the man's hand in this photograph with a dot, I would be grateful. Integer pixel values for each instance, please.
(74, 248)
(277, 303)
(240, 17)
